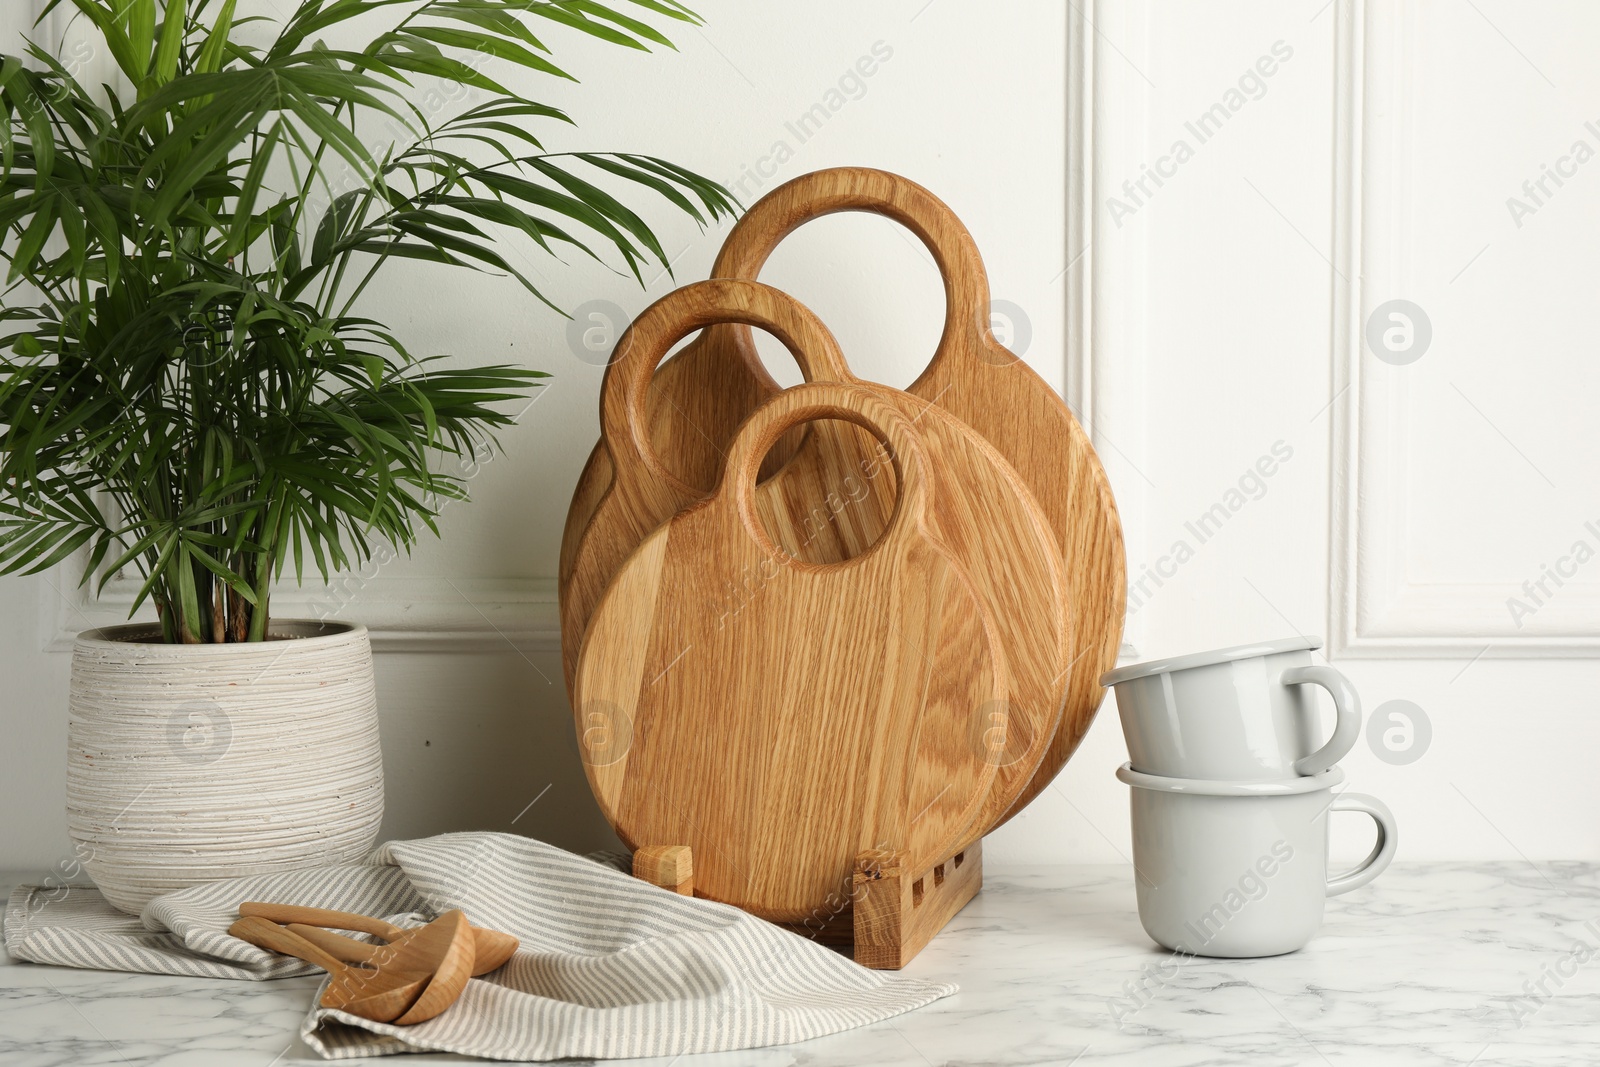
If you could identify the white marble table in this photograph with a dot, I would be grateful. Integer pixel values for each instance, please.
(1432, 964)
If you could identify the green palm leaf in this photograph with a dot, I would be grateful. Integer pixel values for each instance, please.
(187, 389)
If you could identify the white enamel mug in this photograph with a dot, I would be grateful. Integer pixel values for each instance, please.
(1234, 714)
(1241, 868)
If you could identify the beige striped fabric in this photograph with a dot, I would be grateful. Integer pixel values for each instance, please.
(609, 967)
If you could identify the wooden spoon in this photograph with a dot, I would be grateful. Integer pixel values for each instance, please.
(445, 947)
(443, 991)
(368, 992)
(491, 948)
(439, 953)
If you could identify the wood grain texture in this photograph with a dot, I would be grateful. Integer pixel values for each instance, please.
(340, 947)
(826, 713)
(899, 906)
(695, 405)
(986, 519)
(371, 993)
(693, 410)
(979, 507)
(889, 914)
(443, 948)
(668, 866)
(490, 948)
(440, 953)
(643, 492)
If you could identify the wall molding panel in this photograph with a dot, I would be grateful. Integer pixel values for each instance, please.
(1106, 277)
(402, 614)
(1378, 609)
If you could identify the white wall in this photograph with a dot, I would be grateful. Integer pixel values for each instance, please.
(1376, 165)
(1227, 316)
(476, 726)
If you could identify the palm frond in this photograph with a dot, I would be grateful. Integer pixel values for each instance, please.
(187, 389)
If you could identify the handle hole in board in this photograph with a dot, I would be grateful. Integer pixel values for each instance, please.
(691, 434)
(875, 285)
(833, 501)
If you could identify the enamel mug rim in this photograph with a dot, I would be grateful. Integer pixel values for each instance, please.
(1297, 643)
(1272, 787)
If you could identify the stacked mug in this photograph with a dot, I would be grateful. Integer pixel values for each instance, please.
(1231, 794)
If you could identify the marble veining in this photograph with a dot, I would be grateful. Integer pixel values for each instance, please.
(1431, 964)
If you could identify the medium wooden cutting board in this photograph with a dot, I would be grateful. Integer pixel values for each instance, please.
(643, 493)
(980, 509)
(825, 713)
(695, 403)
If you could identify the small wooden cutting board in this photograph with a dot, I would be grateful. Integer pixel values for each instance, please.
(826, 711)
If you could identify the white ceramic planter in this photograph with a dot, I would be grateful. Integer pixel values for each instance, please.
(194, 763)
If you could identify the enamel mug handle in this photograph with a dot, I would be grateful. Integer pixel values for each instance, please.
(1382, 852)
(1347, 709)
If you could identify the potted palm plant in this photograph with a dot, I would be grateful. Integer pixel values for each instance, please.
(189, 392)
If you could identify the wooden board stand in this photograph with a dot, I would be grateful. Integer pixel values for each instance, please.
(668, 866)
(891, 914)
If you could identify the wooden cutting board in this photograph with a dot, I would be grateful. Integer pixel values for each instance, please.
(829, 491)
(643, 493)
(696, 401)
(824, 715)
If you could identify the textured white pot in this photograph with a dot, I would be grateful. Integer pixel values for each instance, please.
(194, 763)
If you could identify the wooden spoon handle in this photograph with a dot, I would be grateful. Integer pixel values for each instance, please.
(347, 949)
(827, 400)
(339, 920)
(264, 933)
(624, 412)
(825, 192)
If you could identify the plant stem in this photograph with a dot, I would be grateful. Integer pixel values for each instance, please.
(271, 530)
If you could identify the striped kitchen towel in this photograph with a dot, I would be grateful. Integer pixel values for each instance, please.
(609, 967)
